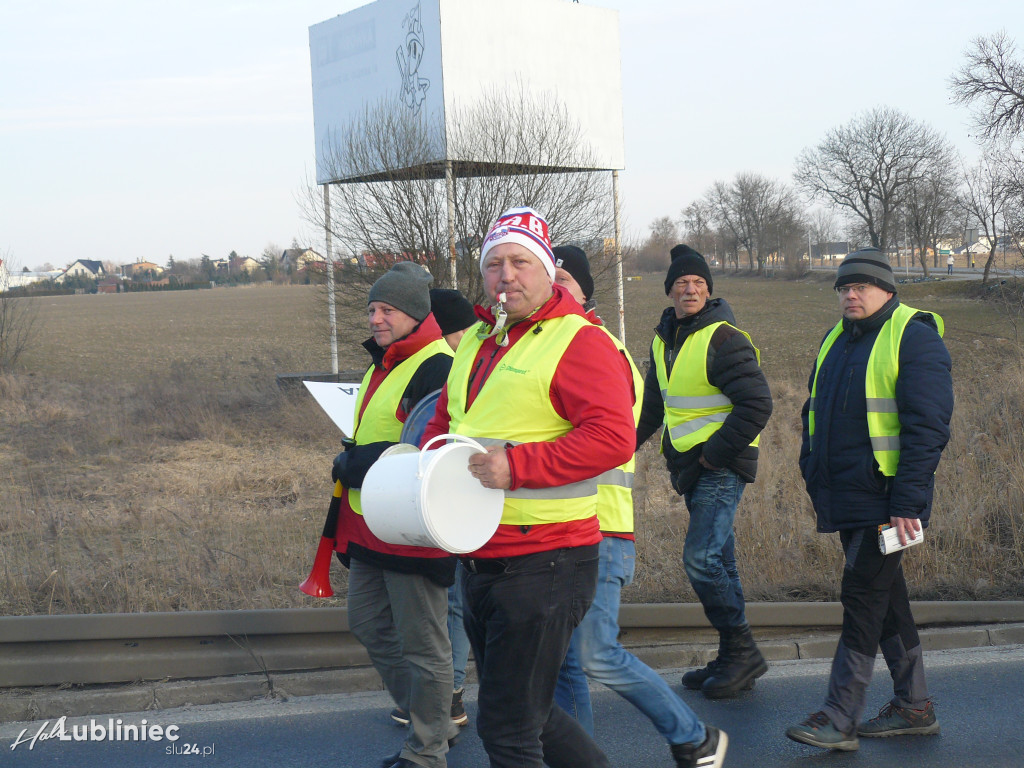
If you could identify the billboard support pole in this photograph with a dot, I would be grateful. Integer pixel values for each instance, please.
(449, 183)
(331, 316)
(618, 258)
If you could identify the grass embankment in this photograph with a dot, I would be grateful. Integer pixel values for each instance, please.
(149, 463)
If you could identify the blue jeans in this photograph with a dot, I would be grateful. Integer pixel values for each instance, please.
(709, 554)
(605, 660)
(573, 692)
(521, 614)
(456, 630)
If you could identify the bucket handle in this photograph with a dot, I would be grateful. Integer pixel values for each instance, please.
(436, 438)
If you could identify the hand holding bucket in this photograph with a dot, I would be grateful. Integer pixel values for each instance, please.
(430, 499)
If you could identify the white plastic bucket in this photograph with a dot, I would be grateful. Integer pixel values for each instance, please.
(429, 498)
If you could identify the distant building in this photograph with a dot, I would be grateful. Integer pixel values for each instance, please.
(20, 279)
(298, 259)
(141, 269)
(388, 260)
(832, 251)
(83, 268)
(244, 264)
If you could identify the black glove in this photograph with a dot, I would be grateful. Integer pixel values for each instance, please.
(340, 463)
(351, 466)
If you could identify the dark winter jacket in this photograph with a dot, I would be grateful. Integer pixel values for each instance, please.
(839, 469)
(732, 367)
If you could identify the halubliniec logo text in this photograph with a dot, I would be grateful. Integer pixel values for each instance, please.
(112, 730)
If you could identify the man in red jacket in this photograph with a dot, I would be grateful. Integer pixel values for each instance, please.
(550, 396)
(398, 595)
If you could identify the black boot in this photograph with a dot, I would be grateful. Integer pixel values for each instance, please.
(695, 678)
(741, 665)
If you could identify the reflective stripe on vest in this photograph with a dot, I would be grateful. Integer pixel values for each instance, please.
(378, 422)
(615, 487)
(514, 406)
(879, 385)
(694, 408)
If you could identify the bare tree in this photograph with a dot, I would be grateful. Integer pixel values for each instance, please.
(1013, 201)
(824, 230)
(757, 212)
(981, 203)
(723, 200)
(18, 319)
(698, 222)
(653, 255)
(930, 209)
(991, 81)
(399, 208)
(867, 166)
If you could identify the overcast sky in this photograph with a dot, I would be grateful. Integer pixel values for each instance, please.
(139, 130)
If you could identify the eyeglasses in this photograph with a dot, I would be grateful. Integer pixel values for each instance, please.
(860, 289)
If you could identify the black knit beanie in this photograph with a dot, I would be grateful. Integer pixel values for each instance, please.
(574, 261)
(686, 261)
(406, 286)
(868, 265)
(451, 309)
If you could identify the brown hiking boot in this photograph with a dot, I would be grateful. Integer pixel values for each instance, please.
(900, 721)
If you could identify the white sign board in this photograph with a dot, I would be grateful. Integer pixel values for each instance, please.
(438, 56)
(338, 402)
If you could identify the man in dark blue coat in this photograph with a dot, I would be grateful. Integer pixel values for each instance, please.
(874, 428)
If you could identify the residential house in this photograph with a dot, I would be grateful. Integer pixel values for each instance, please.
(243, 264)
(298, 259)
(141, 269)
(83, 268)
(388, 260)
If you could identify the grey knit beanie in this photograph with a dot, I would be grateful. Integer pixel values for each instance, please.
(406, 286)
(868, 265)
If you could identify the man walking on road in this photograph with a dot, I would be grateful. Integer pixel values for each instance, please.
(398, 595)
(550, 395)
(595, 650)
(875, 425)
(706, 386)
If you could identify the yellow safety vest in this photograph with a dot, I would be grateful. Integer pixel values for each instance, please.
(694, 408)
(615, 487)
(879, 385)
(378, 422)
(514, 406)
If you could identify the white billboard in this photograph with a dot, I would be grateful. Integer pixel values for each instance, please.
(438, 56)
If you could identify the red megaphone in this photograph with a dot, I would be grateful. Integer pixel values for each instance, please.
(319, 582)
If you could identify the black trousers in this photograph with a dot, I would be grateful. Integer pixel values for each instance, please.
(876, 614)
(519, 615)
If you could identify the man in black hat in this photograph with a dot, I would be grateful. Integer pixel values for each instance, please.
(706, 386)
(572, 272)
(453, 313)
(874, 427)
(595, 650)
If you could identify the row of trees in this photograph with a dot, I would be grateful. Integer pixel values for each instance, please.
(883, 179)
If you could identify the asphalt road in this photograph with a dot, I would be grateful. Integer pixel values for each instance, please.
(977, 694)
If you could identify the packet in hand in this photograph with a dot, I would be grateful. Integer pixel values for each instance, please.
(889, 540)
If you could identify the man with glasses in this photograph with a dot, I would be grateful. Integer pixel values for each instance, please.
(874, 427)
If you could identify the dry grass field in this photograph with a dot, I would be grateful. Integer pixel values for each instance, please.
(148, 461)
